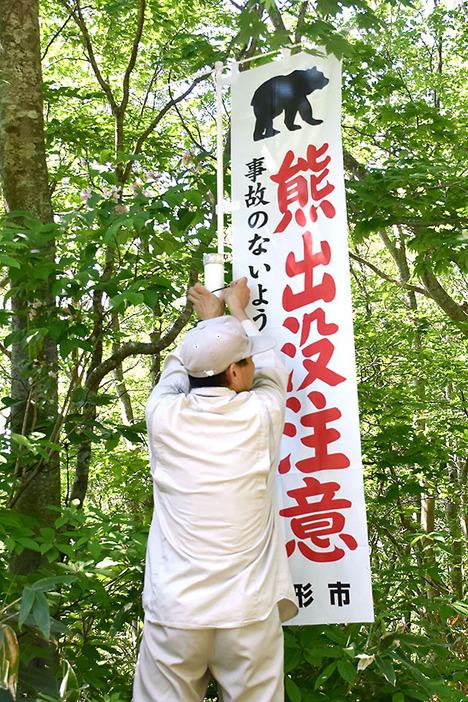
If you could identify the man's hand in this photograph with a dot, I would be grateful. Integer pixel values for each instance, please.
(237, 296)
(205, 303)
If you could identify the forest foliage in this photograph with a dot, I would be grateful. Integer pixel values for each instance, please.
(92, 294)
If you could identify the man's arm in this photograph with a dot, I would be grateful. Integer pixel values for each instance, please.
(237, 296)
(174, 378)
(207, 306)
(205, 303)
(271, 376)
(270, 373)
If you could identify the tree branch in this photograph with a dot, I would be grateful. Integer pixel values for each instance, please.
(398, 253)
(119, 379)
(148, 90)
(141, 347)
(152, 126)
(385, 276)
(353, 166)
(4, 350)
(79, 20)
(275, 16)
(57, 33)
(300, 21)
(133, 57)
(198, 144)
(456, 312)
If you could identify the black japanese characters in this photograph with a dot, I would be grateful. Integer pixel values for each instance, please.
(288, 94)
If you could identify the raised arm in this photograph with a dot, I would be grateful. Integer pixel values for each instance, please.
(205, 303)
(237, 296)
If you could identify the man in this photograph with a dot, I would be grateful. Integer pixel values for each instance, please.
(217, 584)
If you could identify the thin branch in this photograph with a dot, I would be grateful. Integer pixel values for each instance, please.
(199, 145)
(152, 126)
(74, 383)
(133, 57)
(79, 20)
(23, 432)
(57, 33)
(4, 350)
(119, 379)
(148, 89)
(385, 276)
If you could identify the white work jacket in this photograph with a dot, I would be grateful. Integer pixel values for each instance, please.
(216, 555)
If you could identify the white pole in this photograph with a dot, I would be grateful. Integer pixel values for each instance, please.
(214, 263)
(219, 155)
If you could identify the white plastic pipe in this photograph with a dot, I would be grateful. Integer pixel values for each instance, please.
(219, 156)
(213, 264)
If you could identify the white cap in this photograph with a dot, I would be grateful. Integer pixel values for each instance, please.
(214, 344)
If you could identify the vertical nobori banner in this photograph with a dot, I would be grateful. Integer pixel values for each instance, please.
(290, 239)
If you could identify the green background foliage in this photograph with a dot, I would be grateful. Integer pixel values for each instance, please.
(129, 112)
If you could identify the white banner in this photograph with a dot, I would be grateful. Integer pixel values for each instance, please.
(290, 239)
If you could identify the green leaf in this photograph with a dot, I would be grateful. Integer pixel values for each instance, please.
(95, 549)
(325, 674)
(151, 297)
(461, 607)
(9, 261)
(195, 197)
(47, 533)
(27, 601)
(347, 671)
(22, 440)
(41, 614)
(386, 668)
(28, 543)
(292, 658)
(66, 347)
(328, 7)
(52, 583)
(113, 442)
(292, 690)
(129, 297)
(335, 635)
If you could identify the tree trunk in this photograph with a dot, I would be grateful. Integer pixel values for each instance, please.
(119, 379)
(454, 524)
(24, 178)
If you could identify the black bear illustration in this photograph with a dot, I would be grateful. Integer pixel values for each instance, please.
(288, 93)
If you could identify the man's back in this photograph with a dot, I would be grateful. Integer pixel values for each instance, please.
(215, 556)
(213, 470)
(217, 582)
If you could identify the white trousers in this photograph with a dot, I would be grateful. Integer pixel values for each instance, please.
(175, 665)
